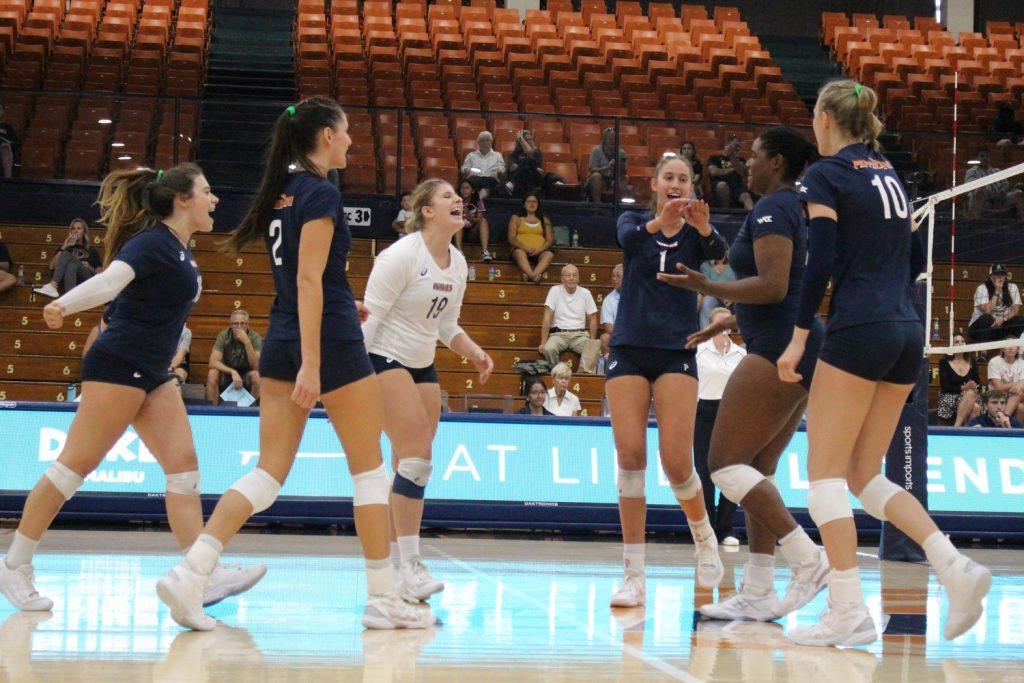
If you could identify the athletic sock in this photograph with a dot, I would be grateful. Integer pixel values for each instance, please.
(939, 550)
(408, 547)
(798, 548)
(21, 551)
(702, 530)
(380, 577)
(202, 557)
(844, 586)
(759, 574)
(633, 557)
(396, 554)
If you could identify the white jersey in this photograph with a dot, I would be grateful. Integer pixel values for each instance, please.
(413, 302)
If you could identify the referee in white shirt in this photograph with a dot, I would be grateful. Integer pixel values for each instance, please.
(716, 360)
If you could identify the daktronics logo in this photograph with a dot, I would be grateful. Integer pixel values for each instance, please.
(129, 448)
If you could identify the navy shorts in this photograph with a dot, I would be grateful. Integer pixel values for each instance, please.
(770, 347)
(427, 375)
(100, 366)
(878, 352)
(649, 363)
(341, 362)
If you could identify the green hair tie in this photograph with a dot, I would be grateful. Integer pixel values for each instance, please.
(159, 175)
(291, 111)
(857, 89)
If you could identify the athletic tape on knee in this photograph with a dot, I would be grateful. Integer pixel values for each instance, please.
(259, 488)
(876, 494)
(689, 489)
(827, 500)
(632, 483)
(371, 488)
(65, 479)
(185, 483)
(736, 481)
(411, 478)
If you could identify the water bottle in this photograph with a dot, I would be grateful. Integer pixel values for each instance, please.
(21, 275)
(72, 392)
(936, 335)
(490, 274)
(471, 275)
(575, 239)
(600, 365)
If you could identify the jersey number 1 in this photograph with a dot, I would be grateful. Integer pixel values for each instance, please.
(899, 201)
(277, 235)
(664, 253)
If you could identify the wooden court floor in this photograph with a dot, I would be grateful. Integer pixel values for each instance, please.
(513, 610)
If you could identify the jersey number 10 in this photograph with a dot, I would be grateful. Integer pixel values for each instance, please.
(899, 200)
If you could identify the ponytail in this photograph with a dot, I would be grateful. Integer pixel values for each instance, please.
(853, 106)
(422, 195)
(797, 151)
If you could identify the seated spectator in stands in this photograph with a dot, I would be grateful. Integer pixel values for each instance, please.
(234, 359)
(8, 146)
(561, 401)
(688, 150)
(610, 309)
(536, 397)
(474, 219)
(404, 214)
(7, 278)
(728, 172)
(959, 386)
(531, 237)
(1006, 374)
(996, 415)
(181, 361)
(995, 199)
(570, 317)
(484, 167)
(1005, 128)
(76, 261)
(601, 168)
(526, 168)
(996, 308)
(719, 271)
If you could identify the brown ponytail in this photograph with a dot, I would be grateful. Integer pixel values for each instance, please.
(853, 106)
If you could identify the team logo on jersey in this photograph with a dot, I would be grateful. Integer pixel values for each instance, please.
(389, 360)
(611, 366)
(181, 255)
(423, 272)
(284, 202)
(443, 287)
(764, 219)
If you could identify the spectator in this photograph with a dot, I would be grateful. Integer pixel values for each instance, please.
(536, 397)
(1005, 128)
(531, 237)
(688, 150)
(484, 168)
(76, 261)
(474, 219)
(715, 271)
(570, 317)
(610, 309)
(1006, 374)
(404, 214)
(234, 359)
(601, 171)
(995, 199)
(727, 172)
(561, 401)
(526, 168)
(7, 278)
(182, 358)
(996, 413)
(996, 308)
(959, 386)
(8, 145)
(716, 360)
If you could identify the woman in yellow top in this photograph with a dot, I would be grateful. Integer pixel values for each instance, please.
(531, 238)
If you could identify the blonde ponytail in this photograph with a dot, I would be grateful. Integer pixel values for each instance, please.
(853, 107)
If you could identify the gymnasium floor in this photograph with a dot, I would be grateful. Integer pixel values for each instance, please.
(513, 610)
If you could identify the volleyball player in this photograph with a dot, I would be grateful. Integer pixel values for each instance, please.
(648, 356)
(152, 277)
(759, 412)
(414, 296)
(862, 236)
(313, 350)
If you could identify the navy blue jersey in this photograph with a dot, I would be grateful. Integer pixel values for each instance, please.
(652, 313)
(779, 213)
(306, 198)
(144, 321)
(871, 267)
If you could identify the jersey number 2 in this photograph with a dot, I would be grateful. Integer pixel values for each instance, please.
(437, 304)
(899, 200)
(276, 234)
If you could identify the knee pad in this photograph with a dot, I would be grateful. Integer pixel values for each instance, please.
(185, 483)
(371, 488)
(876, 494)
(632, 483)
(65, 479)
(259, 488)
(689, 489)
(736, 481)
(412, 477)
(827, 500)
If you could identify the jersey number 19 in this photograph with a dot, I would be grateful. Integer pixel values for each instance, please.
(437, 304)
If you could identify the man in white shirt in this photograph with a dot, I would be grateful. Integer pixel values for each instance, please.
(716, 360)
(610, 309)
(570, 317)
(485, 167)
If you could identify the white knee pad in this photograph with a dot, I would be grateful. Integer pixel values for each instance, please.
(632, 483)
(827, 500)
(689, 489)
(736, 481)
(185, 483)
(65, 479)
(371, 488)
(259, 488)
(876, 494)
